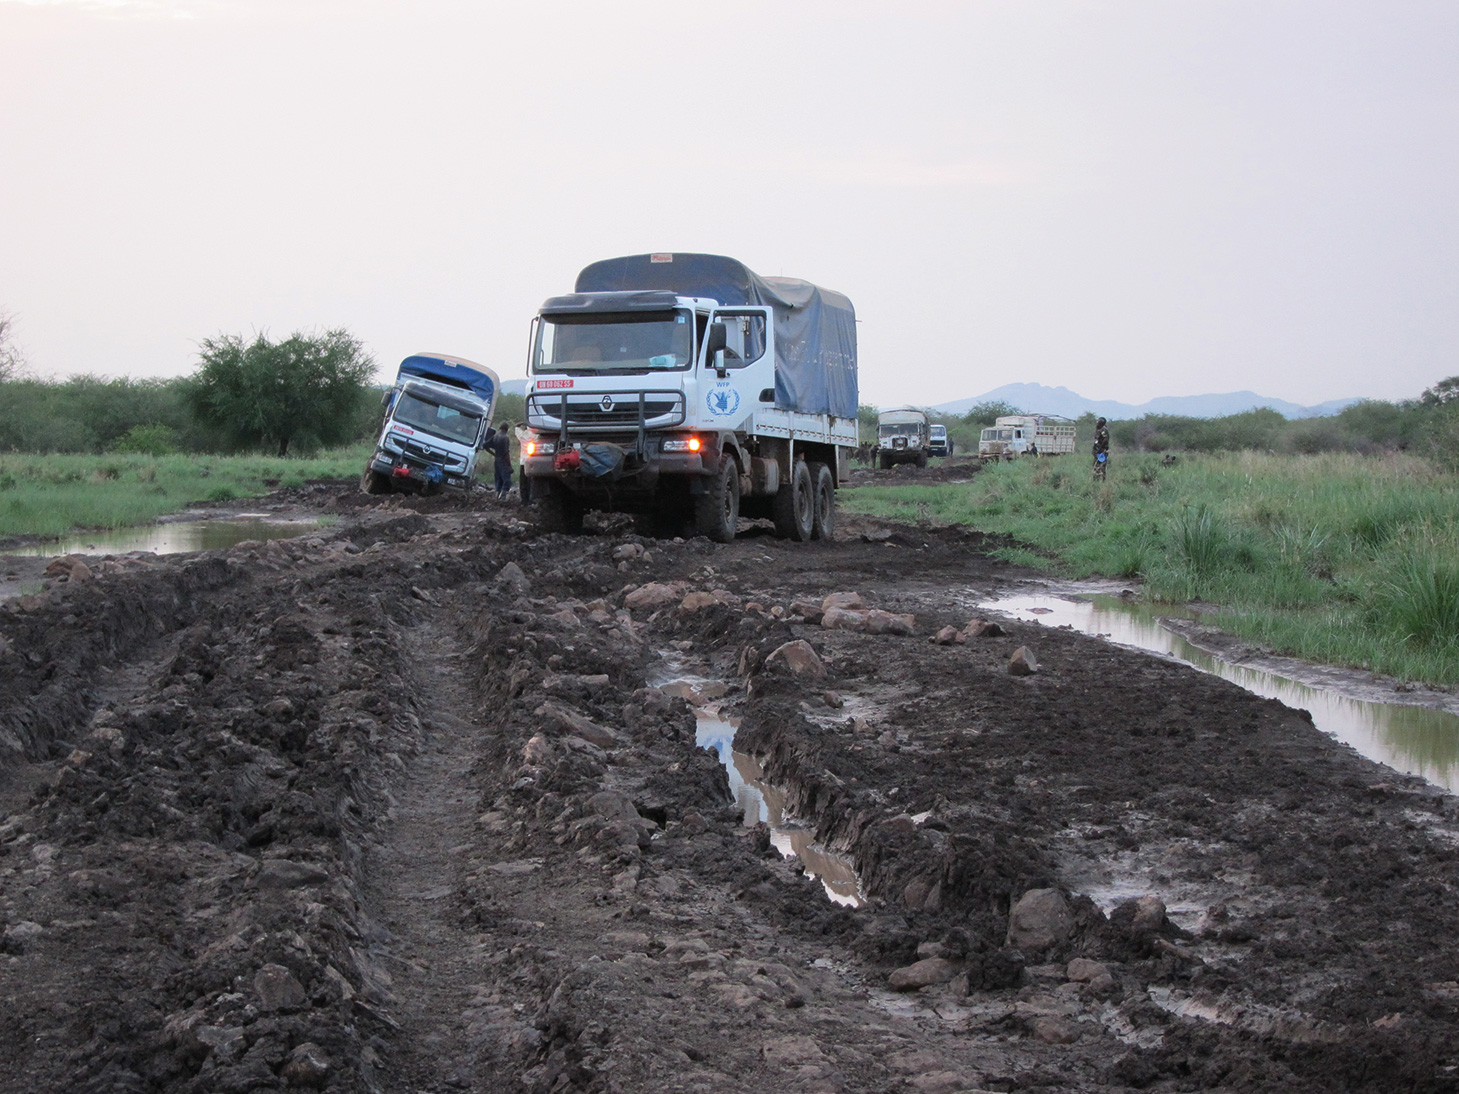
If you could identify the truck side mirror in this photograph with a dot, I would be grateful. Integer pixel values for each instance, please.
(716, 343)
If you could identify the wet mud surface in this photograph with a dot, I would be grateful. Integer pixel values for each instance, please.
(394, 807)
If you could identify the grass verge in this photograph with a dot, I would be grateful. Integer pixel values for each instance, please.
(1337, 558)
(51, 495)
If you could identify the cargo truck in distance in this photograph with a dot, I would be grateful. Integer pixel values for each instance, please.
(688, 390)
(436, 418)
(903, 435)
(1026, 435)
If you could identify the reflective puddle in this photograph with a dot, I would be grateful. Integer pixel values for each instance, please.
(172, 538)
(1416, 740)
(760, 801)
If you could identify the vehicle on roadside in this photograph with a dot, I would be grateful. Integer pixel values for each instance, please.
(436, 418)
(689, 391)
(903, 435)
(938, 442)
(1026, 435)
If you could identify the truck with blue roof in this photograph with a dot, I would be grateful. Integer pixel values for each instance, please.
(437, 416)
(690, 391)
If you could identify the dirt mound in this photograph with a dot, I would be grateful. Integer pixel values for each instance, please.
(405, 806)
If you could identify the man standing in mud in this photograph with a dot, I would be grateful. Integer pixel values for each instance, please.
(1101, 449)
(501, 455)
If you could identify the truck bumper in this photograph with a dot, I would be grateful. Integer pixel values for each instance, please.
(408, 476)
(638, 484)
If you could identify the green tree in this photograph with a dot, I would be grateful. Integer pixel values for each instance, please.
(305, 387)
(1441, 394)
(867, 417)
(12, 360)
(981, 414)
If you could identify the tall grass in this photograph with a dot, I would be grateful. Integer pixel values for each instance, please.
(51, 495)
(1336, 557)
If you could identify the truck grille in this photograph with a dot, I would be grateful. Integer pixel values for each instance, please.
(602, 411)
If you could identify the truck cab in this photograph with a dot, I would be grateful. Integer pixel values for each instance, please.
(938, 444)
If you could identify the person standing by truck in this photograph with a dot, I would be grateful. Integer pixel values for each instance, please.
(501, 455)
(1101, 449)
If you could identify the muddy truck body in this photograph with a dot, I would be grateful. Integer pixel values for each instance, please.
(435, 423)
(1026, 435)
(688, 390)
(903, 435)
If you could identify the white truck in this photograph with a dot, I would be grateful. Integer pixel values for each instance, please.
(1026, 435)
(436, 418)
(903, 435)
(690, 391)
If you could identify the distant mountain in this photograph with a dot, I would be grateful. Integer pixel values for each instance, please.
(514, 387)
(1038, 399)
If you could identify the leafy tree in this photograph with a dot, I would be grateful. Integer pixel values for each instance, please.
(12, 360)
(305, 387)
(1442, 393)
(981, 414)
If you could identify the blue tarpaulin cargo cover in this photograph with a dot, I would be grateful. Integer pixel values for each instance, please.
(815, 328)
(481, 382)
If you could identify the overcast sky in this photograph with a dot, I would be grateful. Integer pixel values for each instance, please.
(1130, 198)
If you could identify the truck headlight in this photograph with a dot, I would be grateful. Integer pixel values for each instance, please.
(681, 444)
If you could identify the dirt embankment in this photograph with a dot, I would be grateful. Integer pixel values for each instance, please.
(398, 807)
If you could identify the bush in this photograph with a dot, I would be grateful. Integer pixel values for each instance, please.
(148, 440)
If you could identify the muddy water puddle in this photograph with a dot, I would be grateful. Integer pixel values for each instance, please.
(173, 537)
(1416, 740)
(759, 801)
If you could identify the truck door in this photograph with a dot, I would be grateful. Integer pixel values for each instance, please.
(731, 382)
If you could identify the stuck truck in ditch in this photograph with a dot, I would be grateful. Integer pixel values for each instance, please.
(436, 416)
(690, 391)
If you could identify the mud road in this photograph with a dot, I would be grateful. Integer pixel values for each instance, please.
(403, 806)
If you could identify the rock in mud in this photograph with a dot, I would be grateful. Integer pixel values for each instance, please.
(921, 974)
(1041, 919)
(278, 989)
(800, 657)
(1023, 662)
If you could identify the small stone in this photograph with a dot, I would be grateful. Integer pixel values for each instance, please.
(307, 1065)
(1042, 918)
(511, 579)
(278, 989)
(948, 636)
(1023, 662)
(21, 937)
(1053, 1030)
(650, 597)
(982, 628)
(281, 873)
(800, 657)
(921, 974)
(849, 600)
(1083, 970)
(697, 601)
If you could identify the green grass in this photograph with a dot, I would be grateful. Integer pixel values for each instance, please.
(1338, 558)
(52, 495)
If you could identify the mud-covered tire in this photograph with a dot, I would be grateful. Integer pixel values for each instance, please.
(524, 487)
(558, 509)
(372, 482)
(921, 459)
(717, 510)
(795, 505)
(823, 488)
(886, 462)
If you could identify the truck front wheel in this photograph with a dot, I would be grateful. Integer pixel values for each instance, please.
(372, 482)
(560, 509)
(717, 510)
(824, 523)
(795, 505)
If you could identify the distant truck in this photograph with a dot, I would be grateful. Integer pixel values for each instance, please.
(938, 444)
(688, 390)
(903, 435)
(1026, 435)
(436, 418)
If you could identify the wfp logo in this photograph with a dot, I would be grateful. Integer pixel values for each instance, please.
(723, 400)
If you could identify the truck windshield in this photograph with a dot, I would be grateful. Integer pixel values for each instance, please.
(443, 421)
(640, 342)
(907, 429)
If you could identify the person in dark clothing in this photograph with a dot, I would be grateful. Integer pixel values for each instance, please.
(501, 454)
(1101, 449)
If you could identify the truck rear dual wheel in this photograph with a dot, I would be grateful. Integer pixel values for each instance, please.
(795, 505)
(717, 510)
(823, 525)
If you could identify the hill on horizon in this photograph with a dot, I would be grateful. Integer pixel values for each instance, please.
(1038, 399)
